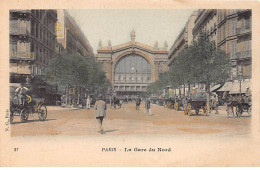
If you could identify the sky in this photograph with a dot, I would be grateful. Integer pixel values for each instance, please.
(150, 25)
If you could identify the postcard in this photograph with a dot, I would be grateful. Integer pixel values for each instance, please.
(129, 83)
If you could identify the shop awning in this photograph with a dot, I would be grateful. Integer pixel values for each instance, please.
(236, 87)
(226, 87)
(215, 87)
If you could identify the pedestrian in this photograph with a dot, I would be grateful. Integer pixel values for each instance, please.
(110, 101)
(148, 107)
(100, 109)
(176, 104)
(88, 102)
(184, 103)
(230, 105)
(138, 102)
(169, 103)
(214, 105)
(63, 100)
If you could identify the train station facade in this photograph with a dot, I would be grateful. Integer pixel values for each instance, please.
(132, 66)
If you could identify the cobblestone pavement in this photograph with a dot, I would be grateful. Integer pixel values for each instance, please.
(127, 120)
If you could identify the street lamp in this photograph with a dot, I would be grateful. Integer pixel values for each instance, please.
(240, 77)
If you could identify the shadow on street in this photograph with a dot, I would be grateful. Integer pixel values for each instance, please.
(30, 121)
(112, 130)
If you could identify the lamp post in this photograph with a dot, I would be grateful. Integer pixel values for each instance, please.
(240, 77)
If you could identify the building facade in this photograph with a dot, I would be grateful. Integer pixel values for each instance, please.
(70, 35)
(234, 37)
(231, 31)
(71, 39)
(206, 21)
(184, 38)
(32, 44)
(132, 66)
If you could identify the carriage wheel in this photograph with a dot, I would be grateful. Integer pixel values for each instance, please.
(42, 113)
(197, 111)
(24, 115)
(11, 117)
(249, 111)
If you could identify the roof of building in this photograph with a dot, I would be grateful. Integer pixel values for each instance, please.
(80, 35)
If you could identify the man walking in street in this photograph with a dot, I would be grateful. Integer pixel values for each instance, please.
(148, 107)
(138, 102)
(184, 103)
(100, 107)
(88, 102)
(214, 104)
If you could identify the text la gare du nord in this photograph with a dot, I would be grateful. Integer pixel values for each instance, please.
(137, 150)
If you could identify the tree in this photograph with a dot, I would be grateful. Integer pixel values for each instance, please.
(74, 70)
(201, 62)
(212, 64)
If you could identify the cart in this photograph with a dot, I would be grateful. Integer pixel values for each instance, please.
(241, 107)
(29, 107)
(198, 101)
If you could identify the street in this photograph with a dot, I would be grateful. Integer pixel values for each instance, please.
(127, 120)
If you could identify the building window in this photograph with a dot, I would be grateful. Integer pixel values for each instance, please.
(32, 27)
(32, 47)
(32, 70)
(224, 31)
(40, 32)
(234, 27)
(22, 47)
(247, 71)
(40, 51)
(36, 70)
(247, 23)
(13, 46)
(36, 30)
(47, 34)
(247, 45)
(239, 70)
(44, 38)
(233, 72)
(13, 26)
(234, 49)
(40, 71)
(43, 55)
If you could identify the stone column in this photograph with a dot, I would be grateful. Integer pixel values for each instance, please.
(156, 70)
(109, 71)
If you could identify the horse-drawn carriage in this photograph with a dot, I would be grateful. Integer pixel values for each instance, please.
(241, 106)
(24, 105)
(198, 101)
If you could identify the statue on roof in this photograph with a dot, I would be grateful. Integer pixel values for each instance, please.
(109, 43)
(133, 35)
(100, 43)
(165, 44)
(156, 44)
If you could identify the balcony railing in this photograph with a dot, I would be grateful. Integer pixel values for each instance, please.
(243, 54)
(243, 30)
(21, 11)
(22, 55)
